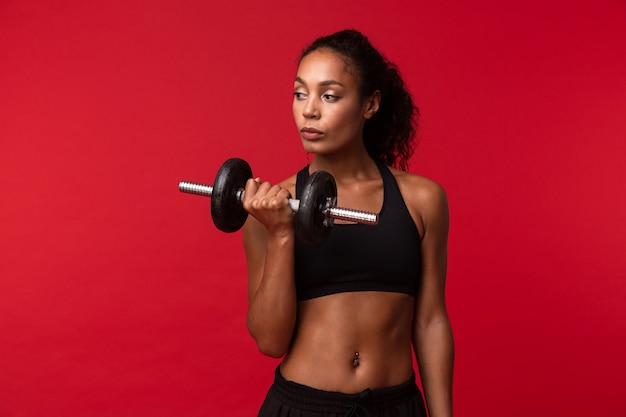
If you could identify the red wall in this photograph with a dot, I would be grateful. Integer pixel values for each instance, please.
(118, 297)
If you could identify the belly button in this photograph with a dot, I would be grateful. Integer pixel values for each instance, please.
(355, 361)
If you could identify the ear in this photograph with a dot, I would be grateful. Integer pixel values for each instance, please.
(371, 105)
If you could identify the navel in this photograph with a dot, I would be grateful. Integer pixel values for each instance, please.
(355, 360)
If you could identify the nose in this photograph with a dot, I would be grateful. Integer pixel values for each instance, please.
(311, 108)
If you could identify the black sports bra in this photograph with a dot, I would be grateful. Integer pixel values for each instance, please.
(358, 257)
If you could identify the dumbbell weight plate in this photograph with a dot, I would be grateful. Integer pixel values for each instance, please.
(312, 225)
(226, 210)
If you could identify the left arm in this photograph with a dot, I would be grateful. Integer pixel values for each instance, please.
(432, 334)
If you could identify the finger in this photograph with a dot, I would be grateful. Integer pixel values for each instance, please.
(250, 189)
(264, 188)
(250, 192)
(274, 190)
(284, 193)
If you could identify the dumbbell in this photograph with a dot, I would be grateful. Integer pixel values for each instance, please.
(315, 212)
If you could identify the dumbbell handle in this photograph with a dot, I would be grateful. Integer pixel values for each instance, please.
(338, 213)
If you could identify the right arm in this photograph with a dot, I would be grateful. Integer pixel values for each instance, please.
(268, 237)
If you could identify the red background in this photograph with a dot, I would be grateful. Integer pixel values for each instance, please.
(118, 297)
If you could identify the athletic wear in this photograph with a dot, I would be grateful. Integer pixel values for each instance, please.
(289, 399)
(358, 257)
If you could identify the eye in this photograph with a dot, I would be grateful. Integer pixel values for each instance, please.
(298, 95)
(330, 97)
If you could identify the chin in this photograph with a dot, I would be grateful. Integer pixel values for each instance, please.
(310, 147)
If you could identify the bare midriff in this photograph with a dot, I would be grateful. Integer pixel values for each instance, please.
(348, 342)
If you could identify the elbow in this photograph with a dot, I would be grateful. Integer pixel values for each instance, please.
(270, 346)
(273, 350)
(269, 343)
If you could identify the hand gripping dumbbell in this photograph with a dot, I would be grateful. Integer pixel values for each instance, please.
(315, 211)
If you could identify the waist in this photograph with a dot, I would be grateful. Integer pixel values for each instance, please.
(332, 330)
(351, 373)
(310, 399)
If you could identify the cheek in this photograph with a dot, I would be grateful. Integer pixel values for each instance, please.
(347, 117)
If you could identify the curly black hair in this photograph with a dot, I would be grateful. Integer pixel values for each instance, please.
(389, 135)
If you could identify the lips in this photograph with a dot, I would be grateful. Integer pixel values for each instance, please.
(311, 133)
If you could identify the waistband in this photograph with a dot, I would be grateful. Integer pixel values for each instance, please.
(310, 399)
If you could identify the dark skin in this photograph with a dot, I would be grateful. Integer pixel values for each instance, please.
(319, 337)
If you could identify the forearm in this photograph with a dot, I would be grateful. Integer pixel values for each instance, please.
(434, 349)
(272, 307)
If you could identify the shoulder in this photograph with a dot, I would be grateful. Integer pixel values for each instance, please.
(426, 199)
(422, 185)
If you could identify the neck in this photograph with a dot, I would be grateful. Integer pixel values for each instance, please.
(355, 166)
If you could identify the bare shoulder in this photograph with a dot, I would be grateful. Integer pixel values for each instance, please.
(421, 190)
(426, 199)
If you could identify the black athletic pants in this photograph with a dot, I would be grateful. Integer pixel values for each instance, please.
(289, 399)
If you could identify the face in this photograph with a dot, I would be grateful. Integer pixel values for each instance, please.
(327, 108)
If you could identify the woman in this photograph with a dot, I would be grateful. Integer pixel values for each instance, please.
(344, 315)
